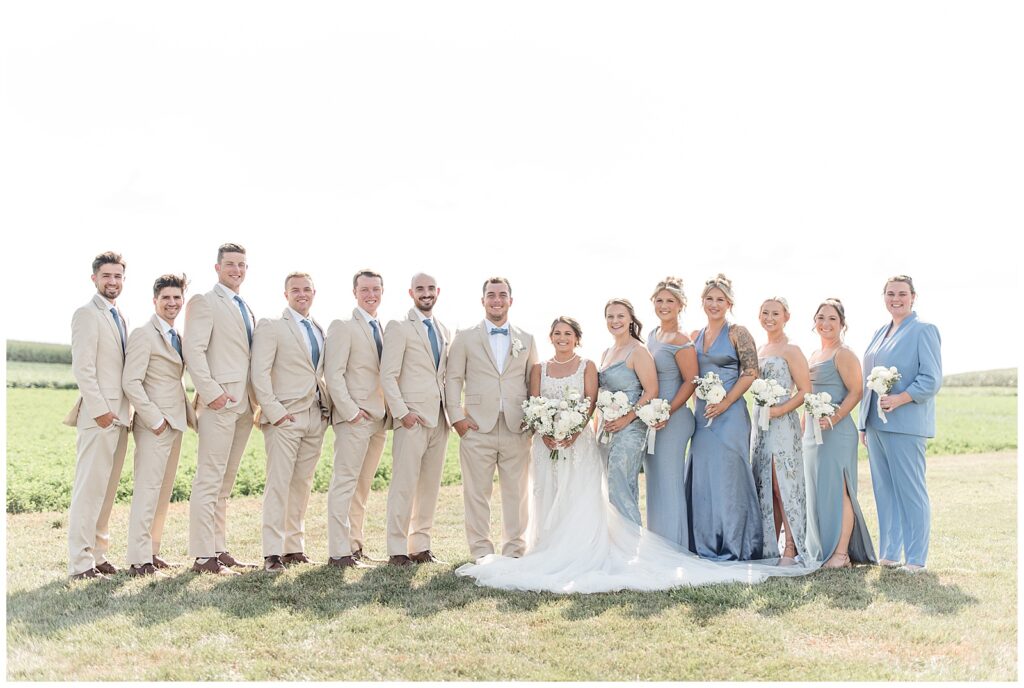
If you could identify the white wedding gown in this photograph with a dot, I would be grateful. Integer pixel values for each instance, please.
(578, 542)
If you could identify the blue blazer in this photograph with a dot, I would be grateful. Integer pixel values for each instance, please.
(916, 353)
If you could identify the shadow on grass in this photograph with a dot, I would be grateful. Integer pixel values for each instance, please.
(325, 593)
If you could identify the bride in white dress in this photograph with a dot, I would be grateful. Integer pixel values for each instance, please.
(577, 542)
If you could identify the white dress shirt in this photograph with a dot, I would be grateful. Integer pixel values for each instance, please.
(305, 333)
(231, 297)
(500, 345)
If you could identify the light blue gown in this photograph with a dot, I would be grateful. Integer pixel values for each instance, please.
(725, 520)
(780, 442)
(665, 469)
(624, 452)
(826, 467)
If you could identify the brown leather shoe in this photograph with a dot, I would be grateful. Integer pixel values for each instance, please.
(347, 562)
(426, 557)
(399, 560)
(272, 564)
(145, 570)
(228, 560)
(358, 555)
(107, 569)
(161, 564)
(296, 558)
(213, 566)
(88, 573)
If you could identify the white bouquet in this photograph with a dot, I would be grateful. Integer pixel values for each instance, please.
(558, 419)
(653, 412)
(612, 405)
(881, 381)
(710, 389)
(819, 406)
(767, 392)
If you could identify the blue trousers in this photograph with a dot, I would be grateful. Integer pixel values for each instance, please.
(904, 512)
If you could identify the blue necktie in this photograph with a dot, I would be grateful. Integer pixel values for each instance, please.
(245, 317)
(376, 338)
(176, 342)
(433, 342)
(315, 345)
(499, 330)
(120, 328)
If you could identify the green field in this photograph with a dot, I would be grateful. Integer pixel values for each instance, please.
(41, 457)
(958, 622)
(41, 451)
(33, 375)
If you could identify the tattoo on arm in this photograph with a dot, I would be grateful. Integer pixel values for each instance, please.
(745, 349)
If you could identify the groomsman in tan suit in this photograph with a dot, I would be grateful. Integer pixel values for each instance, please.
(218, 338)
(288, 376)
(99, 336)
(152, 380)
(352, 369)
(412, 375)
(491, 363)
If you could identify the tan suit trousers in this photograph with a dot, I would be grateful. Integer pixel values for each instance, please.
(222, 438)
(418, 460)
(293, 450)
(357, 451)
(156, 461)
(480, 453)
(97, 473)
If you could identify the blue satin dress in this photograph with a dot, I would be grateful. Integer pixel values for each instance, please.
(827, 466)
(725, 519)
(624, 452)
(665, 469)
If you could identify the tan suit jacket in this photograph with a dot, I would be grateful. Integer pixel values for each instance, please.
(407, 374)
(152, 379)
(472, 368)
(352, 370)
(216, 350)
(97, 362)
(282, 370)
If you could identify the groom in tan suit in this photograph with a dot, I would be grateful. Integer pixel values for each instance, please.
(352, 369)
(412, 375)
(99, 336)
(288, 376)
(218, 337)
(491, 363)
(152, 380)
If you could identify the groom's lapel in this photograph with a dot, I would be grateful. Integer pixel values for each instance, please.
(485, 339)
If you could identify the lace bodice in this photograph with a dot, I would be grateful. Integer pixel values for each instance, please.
(555, 387)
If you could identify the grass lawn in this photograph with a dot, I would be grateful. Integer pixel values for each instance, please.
(957, 622)
(41, 451)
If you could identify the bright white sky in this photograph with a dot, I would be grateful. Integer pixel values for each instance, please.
(585, 150)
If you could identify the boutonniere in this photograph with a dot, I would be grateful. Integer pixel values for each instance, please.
(517, 347)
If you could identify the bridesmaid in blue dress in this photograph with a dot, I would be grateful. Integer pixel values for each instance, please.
(896, 448)
(725, 520)
(626, 367)
(835, 525)
(676, 363)
(776, 453)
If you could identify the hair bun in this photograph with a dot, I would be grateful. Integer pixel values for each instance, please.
(672, 281)
(832, 298)
(724, 280)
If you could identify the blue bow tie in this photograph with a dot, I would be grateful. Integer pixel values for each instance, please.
(499, 330)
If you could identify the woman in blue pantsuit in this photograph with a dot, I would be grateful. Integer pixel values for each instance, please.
(896, 447)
